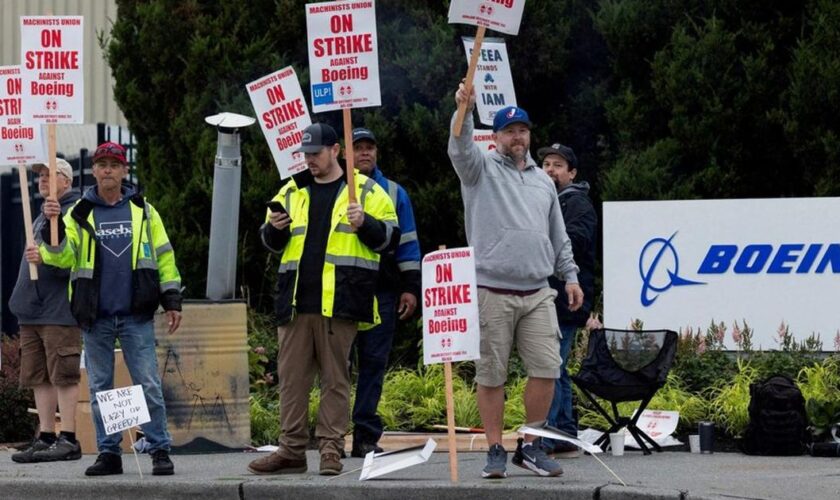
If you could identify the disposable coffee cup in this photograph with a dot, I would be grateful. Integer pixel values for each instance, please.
(617, 443)
(706, 430)
(694, 443)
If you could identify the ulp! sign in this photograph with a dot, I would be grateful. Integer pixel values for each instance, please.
(51, 69)
(343, 55)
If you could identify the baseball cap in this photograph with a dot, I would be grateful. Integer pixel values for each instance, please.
(110, 150)
(508, 115)
(61, 167)
(565, 152)
(316, 137)
(362, 133)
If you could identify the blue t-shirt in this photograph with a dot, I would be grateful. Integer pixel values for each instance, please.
(114, 234)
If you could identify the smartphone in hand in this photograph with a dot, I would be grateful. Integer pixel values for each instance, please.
(276, 206)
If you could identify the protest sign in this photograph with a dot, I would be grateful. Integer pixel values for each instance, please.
(450, 306)
(122, 408)
(484, 140)
(376, 465)
(279, 103)
(51, 69)
(498, 15)
(343, 55)
(20, 143)
(492, 80)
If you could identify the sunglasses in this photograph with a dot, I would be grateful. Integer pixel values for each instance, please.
(110, 150)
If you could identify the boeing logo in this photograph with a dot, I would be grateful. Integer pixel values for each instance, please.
(659, 263)
(659, 267)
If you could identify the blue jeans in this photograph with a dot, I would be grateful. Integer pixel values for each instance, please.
(137, 339)
(560, 414)
(373, 347)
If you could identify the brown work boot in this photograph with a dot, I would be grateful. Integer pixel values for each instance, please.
(277, 464)
(330, 464)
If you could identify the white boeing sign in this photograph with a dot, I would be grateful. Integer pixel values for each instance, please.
(677, 264)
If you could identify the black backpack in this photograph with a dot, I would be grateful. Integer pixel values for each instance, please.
(778, 422)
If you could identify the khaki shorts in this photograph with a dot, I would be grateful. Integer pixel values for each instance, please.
(49, 354)
(530, 321)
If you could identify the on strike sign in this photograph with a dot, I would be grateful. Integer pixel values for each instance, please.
(280, 106)
(51, 69)
(498, 15)
(343, 55)
(450, 306)
(19, 144)
(492, 80)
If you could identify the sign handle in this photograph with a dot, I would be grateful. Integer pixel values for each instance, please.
(53, 183)
(450, 423)
(468, 82)
(27, 217)
(348, 155)
(136, 460)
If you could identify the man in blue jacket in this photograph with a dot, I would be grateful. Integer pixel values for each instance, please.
(397, 292)
(561, 164)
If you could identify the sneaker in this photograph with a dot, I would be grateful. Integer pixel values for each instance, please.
(27, 456)
(563, 449)
(106, 464)
(360, 450)
(161, 464)
(496, 463)
(532, 457)
(330, 465)
(277, 464)
(62, 449)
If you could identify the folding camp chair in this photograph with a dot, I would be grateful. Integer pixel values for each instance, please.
(626, 365)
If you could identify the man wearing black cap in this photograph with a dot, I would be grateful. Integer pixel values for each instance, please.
(399, 273)
(560, 163)
(329, 258)
(513, 222)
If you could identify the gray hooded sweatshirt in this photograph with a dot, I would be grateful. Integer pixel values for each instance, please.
(513, 218)
(45, 301)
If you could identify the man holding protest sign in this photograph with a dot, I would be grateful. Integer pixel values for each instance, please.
(329, 259)
(50, 339)
(561, 164)
(399, 277)
(513, 221)
(123, 267)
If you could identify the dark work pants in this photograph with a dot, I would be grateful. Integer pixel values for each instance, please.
(373, 347)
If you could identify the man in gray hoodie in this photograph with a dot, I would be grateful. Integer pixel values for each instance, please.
(514, 223)
(50, 338)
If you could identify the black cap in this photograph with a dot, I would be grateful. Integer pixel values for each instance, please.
(316, 137)
(565, 152)
(362, 133)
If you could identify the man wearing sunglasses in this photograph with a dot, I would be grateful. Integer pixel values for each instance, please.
(123, 267)
(50, 339)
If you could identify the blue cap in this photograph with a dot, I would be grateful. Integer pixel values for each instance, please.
(508, 115)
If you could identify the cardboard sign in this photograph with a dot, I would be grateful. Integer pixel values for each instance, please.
(51, 69)
(376, 465)
(450, 306)
(281, 109)
(492, 80)
(683, 263)
(343, 55)
(499, 15)
(19, 144)
(484, 140)
(122, 408)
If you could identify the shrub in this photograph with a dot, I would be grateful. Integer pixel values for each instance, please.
(730, 399)
(16, 424)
